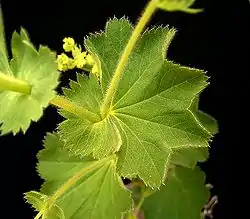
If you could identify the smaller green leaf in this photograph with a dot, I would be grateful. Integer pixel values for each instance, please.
(183, 196)
(39, 203)
(207, 121)
(178, 5)
(36, 199)
(94, 189)
(189, 157)
(39, 70)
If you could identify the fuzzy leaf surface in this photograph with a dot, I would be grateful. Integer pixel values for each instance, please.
(39, 69)
(81, 136)
(183, 196)
(152, 106)
(98, 192)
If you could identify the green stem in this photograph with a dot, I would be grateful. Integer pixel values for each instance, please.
(149, 10)
(133, 214)
(9, 83)
(140, 203)
(65, 104)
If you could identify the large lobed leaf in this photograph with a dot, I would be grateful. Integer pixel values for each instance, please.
(152, 115)
(183, 196)
(39, 69)
(96, 194)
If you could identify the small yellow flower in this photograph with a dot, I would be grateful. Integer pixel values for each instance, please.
(64, 62)
(63, 58)
(69, 44)
(94, 70)
(80, 60)
(76, 51)
(71, 63)
(90, 60)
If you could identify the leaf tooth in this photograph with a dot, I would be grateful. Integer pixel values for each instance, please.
(26, 124)
(45, 50)
(92, 36)
(123, 19)
(5, 131)
(15, 130)
(38, 171)
(74, 85)
(114, 19)
(81, 79)
(97, 34)
(157, 29)
(67, 91)
(24, 34)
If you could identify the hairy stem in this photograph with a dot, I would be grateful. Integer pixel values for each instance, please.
(148, 12)
(142, 199)
(9, 83)
(65, 104)
(134, 214)
(75, 179)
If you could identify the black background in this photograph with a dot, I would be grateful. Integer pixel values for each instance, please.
(213, 40)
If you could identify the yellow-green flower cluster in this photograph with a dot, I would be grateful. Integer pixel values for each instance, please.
(81, 60)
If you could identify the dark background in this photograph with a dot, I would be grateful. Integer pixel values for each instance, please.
(214, 40)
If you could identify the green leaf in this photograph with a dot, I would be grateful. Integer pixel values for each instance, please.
(183, 196)
(178, 5)
(4, 64)
(38, 202)
(103, 138)
(109, 45)
(151, 108)
(189, 157)
(39, 69)
(98, 139)
(207, 121)
(97, 191)
(36, 199)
